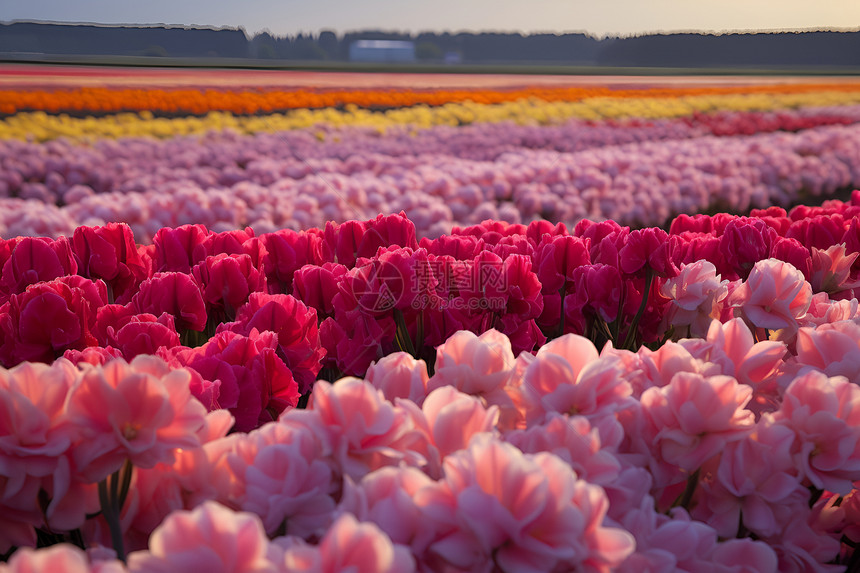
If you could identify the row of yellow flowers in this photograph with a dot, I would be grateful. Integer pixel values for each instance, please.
(41, 126)
(253, 101)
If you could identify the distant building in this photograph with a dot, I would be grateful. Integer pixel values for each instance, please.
(453, 58)
(382, 51)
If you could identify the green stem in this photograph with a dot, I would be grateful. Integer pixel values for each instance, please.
(126, 472)
(113, 482)
(631, 334)
(815, 495)
(77, 538)
(420, 335)
(111, 509)
(614, 328)
(853, 565)
(405, 339)
(603, 330)
(561, 293)
(687, 496)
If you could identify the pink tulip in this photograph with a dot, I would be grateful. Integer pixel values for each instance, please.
(822, 310)
(34, 260)
(227, 281)
(251, 381)
(453, 418)
(744, 242)
(599, 288)
(286, 482)
(19, 517)
(745, 555)
(697, 223)
(460, 247)
(692, 418)
(109, 253)
(514, 245)
(283, 253)
(399, 375)
(394, 279)
(95, 355)
(574, 440)
(176, 293)
(540, 227)
(567, 376)
(688, 248)
(295, 326)
(36, 438)
(63, 557)
(210, 536)
(799, 548)
(831, 269)
(647, 249)
(696, 296)
(346, 242)
(227, 242)
(354, 341)
(175, 248)
(366, 430)
(141, 411)
(496, 505)
(818, 231)
(350, 546)
(342, 242)
(831, 348)
(144, 334)
(667, 542)
(49, 318)
(824, 414)
(386, 497)
(793, 252)
(731, 347)
(477, 365)
(755, 485)
(774, 296)
(316, 286)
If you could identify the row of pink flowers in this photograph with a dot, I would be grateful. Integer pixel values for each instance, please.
(292, 180)
(61, 165)
(718, 453)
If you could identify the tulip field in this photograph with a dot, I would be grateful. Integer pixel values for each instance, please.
(291, 322)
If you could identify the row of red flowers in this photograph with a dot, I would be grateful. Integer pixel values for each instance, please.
(330, 301)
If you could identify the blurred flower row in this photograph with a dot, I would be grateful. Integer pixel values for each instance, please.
(269, 100)
(634, 172)
(652, 104)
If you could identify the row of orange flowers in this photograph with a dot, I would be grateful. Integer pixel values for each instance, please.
(251, 101)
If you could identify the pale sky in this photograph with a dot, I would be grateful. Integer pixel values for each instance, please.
(597, 17)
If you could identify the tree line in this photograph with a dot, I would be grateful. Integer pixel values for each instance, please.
(771, 49)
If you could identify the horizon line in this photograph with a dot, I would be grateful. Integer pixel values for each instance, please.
(834, 29)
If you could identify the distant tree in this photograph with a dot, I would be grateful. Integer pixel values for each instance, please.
(156, 52)
(305, 47)
(428, 51)
(329, 44)
(267, 52)
(263, 46)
